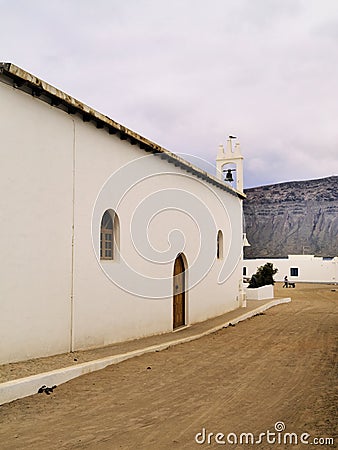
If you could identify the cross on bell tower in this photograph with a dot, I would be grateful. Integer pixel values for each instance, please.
(230, 156)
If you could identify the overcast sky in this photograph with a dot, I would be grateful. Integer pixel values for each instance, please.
(187, 73)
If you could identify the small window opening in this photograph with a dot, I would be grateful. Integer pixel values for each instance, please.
(110, 236)
(219, 245)
(293, 271)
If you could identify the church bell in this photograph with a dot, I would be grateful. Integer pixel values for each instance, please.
(228, 175)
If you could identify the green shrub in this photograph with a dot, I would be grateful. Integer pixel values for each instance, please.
(263, 276)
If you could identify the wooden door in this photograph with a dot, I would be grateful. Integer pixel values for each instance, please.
(179, 293)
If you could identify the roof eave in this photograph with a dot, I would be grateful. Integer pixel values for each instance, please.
(25, 81)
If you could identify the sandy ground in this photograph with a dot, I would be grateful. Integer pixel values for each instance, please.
(278, 366)
(21, 369)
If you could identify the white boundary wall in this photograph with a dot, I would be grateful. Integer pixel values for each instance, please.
(310, 268)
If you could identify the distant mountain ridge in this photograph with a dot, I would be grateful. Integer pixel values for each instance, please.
(296, 217)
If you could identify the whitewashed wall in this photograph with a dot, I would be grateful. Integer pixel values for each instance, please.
(128, 316)
(35, 223)
(310, 268)
(54, 300)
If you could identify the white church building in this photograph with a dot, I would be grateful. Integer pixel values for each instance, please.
(105, 235)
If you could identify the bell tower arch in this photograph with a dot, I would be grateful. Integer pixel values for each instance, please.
(231, 156)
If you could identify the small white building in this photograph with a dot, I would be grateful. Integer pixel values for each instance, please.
(302, 268)
(105, 235)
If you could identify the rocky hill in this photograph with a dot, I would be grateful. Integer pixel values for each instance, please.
(298, 217)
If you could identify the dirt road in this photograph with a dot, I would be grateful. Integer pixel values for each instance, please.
(279, 366)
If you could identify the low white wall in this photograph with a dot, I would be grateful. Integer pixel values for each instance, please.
(260, 293)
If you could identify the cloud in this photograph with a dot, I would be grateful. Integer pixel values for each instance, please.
(187, 74)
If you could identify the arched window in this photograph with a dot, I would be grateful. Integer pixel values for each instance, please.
(110, 236)
(219, 245)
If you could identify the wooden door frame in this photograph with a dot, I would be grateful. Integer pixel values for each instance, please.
(180, 298)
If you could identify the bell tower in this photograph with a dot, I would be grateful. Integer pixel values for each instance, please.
(233, 157)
